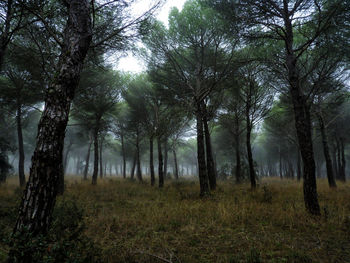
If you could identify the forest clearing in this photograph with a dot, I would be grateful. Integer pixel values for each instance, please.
(133, 222)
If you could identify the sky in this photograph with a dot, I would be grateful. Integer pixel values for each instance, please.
(132, 63)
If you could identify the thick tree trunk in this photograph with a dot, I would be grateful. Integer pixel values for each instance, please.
(327, 156)
(124, 158)
(302, 122)
(165, 173)
(22, 178)
(176, 168)
(87, 161)
(202, 169)
(209, 153)
(160, 163)
(40, 193)
(151, 165)
(96, 157)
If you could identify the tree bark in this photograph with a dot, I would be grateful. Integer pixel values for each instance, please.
(132, 172)
(22, 178)
(41, 190)
(343, 162)
(87, 161)
(302, 121)
(96, 157)
(202, 169)
(209, 153)
(124, 158)
(252, 174)
(160, 163)
(238, 151)
(100, 156)
(138, 172)
(176, 168)
(151, 165)
(299, 173)
(327, 156)
(165, 158)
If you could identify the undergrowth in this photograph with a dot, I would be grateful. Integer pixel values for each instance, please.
(124, 221)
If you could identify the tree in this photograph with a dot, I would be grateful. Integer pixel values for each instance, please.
(95, 105)
(298, 34)
(191, 58)
(22, 89)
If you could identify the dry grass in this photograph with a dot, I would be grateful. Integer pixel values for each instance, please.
(134, 222)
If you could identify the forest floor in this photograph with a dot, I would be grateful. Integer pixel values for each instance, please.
(133, 222)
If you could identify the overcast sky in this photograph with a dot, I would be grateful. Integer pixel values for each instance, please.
(131, 63)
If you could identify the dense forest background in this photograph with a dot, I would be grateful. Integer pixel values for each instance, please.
(234, 92)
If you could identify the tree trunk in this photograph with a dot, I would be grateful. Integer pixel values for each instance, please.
(302, 122)
(101, 164)
(124, 158)
(87, 161)
(165, 158)
(77, 168)
(96, 157)
(343, 162)
(151, 165)
(40, 193)
(176, 168)
(22, 178)
(327, 156)
(160, 163)
(238, 151)
(299, 175)
(138, 172)
(132, 172)
(202, 169)
(209, 153)
(248, 144)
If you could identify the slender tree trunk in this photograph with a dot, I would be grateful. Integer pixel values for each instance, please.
(124, 158)
(202, 169)
(87, 161)
(160, 163)
(22, 178)
(100, 156)
(280, 162)
(96, 157)
(327, 156)
(299, 175)
(151, 165)
(252, 174)
(60, 188)
(176, 168)
(343, 162)
(138, 172)
(41, 190)
(302, 121)
(66, 159)
(238, 151)
(165, 158)
(132, 172)
(209, 153)
(77, 168)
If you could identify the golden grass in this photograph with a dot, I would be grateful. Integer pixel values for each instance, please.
(134, 222)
